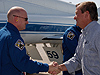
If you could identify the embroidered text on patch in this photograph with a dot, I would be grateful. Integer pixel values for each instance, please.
(19, 44)
(71, 35)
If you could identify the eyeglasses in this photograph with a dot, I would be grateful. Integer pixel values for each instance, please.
(21, 17)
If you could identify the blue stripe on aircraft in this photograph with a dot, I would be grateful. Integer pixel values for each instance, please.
(39, 33)
(47, 28)
(43, 28)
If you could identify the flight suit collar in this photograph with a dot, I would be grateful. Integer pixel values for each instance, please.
(12, 27)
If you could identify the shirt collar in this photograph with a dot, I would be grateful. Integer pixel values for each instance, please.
(89, 26)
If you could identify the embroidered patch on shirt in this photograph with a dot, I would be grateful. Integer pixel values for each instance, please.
(71, 35)
(19, 44)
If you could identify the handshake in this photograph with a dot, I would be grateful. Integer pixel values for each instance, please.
(54, 68)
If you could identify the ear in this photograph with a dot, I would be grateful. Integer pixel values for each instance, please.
(15, 19)
(87, 14)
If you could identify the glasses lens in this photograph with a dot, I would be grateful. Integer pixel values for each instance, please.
(26, 19)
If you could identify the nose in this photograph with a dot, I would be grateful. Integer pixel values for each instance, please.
(74, 17)
(27, 22)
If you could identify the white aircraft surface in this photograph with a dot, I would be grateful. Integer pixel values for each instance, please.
(48, 20)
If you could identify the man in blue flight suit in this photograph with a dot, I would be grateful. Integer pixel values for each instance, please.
(13, 57)
(69, 44)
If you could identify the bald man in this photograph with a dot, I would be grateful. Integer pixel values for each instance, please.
(13, 57)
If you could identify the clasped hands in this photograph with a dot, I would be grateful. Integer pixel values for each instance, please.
(54, 68)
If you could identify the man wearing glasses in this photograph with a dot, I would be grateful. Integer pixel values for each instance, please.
(13, 57)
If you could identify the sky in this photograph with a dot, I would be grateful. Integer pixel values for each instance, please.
(78, 1)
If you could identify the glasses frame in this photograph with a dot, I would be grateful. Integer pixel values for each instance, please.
(26, 19)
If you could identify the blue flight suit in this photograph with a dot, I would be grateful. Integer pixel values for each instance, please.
(69, 44)
(13, 57)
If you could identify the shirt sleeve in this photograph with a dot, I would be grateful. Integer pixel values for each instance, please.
(20, 59)
(73, 64)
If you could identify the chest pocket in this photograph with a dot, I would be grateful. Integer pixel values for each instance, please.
(89, 49)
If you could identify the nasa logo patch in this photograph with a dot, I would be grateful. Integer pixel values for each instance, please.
(71, 35)
(19, 44)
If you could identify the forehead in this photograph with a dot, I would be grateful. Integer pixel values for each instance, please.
(24, 13)
(77, 10)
